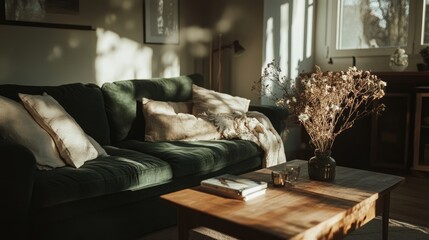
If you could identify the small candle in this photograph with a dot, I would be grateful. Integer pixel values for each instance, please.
(278, 178)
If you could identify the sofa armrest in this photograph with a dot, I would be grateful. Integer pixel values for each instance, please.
(16, 185)
(277, 115)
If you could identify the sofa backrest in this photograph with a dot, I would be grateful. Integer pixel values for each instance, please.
(84, 102)
(123, 101)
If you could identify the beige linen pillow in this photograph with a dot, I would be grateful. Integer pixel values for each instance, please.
(18, 126)
(206, 100)
(72, 142)
(100, 150)
(166, 122)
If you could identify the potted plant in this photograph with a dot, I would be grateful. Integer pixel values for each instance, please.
(425, 55)
(326, 104)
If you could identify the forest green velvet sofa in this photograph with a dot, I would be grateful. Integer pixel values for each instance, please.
(116, 196)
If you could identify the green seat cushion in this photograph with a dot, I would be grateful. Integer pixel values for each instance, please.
(122, 170)
(199, 157)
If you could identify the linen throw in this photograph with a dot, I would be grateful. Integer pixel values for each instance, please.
(253, 126)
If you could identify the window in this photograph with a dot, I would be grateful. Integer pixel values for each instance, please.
(426, 23)
(377, 27)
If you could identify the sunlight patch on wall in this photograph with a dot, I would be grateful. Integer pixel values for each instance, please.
(298, 41)
(309, 27)
(110, 18)
(226, 21)
(269, 56)
(171, 64)
(56, 53)
(269, 41)
(121, 58)
(74, 42)
(198, 39)
(284, 35)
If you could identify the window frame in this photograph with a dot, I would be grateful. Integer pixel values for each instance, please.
(415, 28)
(420, 25)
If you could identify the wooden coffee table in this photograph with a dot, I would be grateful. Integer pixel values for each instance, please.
(307, 210)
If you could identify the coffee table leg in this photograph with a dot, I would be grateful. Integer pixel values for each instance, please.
(386, 209)
(185, 222)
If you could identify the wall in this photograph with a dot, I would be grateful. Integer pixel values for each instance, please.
(115, 51)
(288, 39)
(235, 20)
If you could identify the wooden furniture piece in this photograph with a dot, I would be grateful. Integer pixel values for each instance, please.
(421, 130)
(307, 210)
(396, 134)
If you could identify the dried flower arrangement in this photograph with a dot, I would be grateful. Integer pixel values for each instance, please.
(326, 103)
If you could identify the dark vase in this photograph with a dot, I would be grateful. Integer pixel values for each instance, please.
(321, 166)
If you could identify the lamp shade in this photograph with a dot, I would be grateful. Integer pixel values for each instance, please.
(237, 47)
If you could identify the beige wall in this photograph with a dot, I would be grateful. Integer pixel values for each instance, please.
(116, 49)
(235, 20)
(241, 20)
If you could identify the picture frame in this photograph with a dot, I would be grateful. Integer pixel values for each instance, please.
(161, 21)
(50, 14)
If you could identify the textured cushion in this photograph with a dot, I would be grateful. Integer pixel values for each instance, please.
(84, 102)
(71, 141)
(100, 150)
(122, 170)
(17, 125)
(166, 107)
(206, 100)
(200, 157)
(172, 121)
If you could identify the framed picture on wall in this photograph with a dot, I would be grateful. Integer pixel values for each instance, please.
(161, 21)
(47, 13)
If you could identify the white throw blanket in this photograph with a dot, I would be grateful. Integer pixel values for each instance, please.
(255, 127)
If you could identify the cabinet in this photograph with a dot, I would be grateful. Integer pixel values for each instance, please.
(400, 136)
(421, 131)
(390, 133)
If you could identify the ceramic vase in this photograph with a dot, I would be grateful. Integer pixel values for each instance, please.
(321, 166)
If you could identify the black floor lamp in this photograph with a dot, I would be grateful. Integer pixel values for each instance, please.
(237, 49)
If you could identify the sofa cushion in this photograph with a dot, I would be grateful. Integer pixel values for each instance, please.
(17, 125)
(173, 121)
(123, 100)
(198, 157)
(84, 102)
(120, 171)
(72, 142)
(206, 100)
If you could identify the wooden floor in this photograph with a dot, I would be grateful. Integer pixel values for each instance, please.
(410, 201)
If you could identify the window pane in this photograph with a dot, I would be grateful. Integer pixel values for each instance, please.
(426, 32)
(373, 24)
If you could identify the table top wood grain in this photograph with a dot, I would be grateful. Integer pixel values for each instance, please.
(308, 209)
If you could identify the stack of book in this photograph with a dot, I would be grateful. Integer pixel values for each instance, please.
(232, 186)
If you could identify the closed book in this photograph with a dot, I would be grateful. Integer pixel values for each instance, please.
(233, 185)
(235, 196)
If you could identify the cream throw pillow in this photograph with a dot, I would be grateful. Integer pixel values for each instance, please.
(172, 121)
(206, 101)
(18, 126)
(72, 142)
